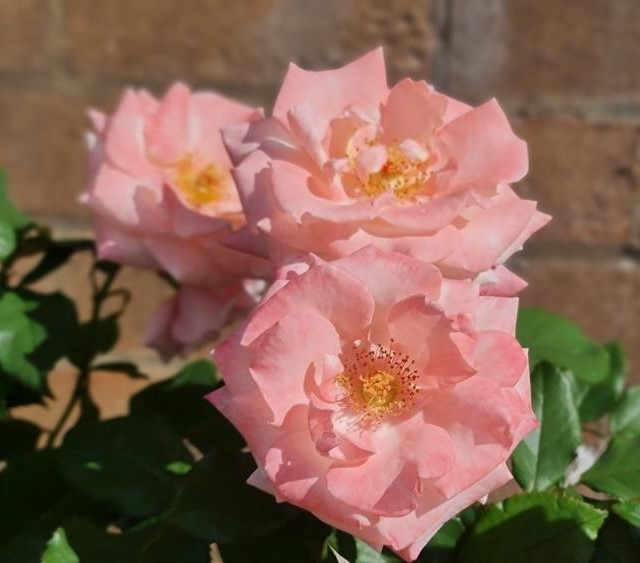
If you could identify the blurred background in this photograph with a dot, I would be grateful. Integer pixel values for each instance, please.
(568, 74)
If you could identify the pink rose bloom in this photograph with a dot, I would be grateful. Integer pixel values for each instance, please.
(193, 317)
(345, 162)
(161, 193)
(377, 395)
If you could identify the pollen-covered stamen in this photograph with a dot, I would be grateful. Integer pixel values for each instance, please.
(377, 382)
(200, 184)
(405, 172)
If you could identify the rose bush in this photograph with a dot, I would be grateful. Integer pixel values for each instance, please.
(378, 385)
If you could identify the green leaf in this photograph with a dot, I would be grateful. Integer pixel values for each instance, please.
(17, 436)
(123, 463)
(179, 467)
(541, 460)
(553, 339)
(20, 335)
(58, 549)
(625, 419)
(56, 313)
(301, 540)
(617, 542)
(442, 547)
(7, 241)
(155, 543)
(216, 504)
(36, 500)
(532, 528)
(629, 511)
(181, 402)
(617, 472)
(595, 401)
(9, 214)
(366, 554)
(127, 368)
(199, 373)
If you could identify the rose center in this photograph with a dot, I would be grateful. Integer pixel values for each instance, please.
(200, 184)
(401, 175)
(378, 388)
(377, 382)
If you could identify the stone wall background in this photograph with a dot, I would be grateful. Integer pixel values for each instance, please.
(567, 73)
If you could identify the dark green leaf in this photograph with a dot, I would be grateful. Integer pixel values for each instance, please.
(556, 340)
(36, 501)
(366, 554)
(625, 419)
(302, 540)
(127, 368)
(216, 504)
(9, 214)
(595, 401)
(532, 528)
(7, 241)
(442, 547)
(58, 549)
(617, 543)
(542, 458)
(17, 436)
(180, 400)
(56, 313)
(617, 472)
(123, 463)
(630, 511)
(156, 543)
(20, 335)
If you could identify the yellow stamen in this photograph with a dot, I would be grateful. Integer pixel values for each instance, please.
(200, 185)
(402, 176)
(378, 382)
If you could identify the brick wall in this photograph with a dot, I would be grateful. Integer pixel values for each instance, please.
(566, 72)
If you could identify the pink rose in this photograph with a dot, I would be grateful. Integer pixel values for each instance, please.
(193, 317)
(377, 395)
(162, 197)
(345, 162)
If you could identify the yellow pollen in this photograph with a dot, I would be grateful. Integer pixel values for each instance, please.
(377, 382)
(401, 175)
(200, 185)
(378, 388)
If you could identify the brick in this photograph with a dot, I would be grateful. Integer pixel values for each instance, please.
(25, 33)
(601, 296)
(586, 176)
(42, 149)
(519, 49)
(245, 43)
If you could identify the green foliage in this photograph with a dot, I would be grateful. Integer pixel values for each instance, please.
(542, 458)
(617, 472)
(551, 338)
(532, 528)
(230, 513)
(58, 549)
(625, 419)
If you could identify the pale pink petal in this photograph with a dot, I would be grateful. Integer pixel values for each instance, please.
(362, 83)
(484, 149)
(166, 133)
(411, 112)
